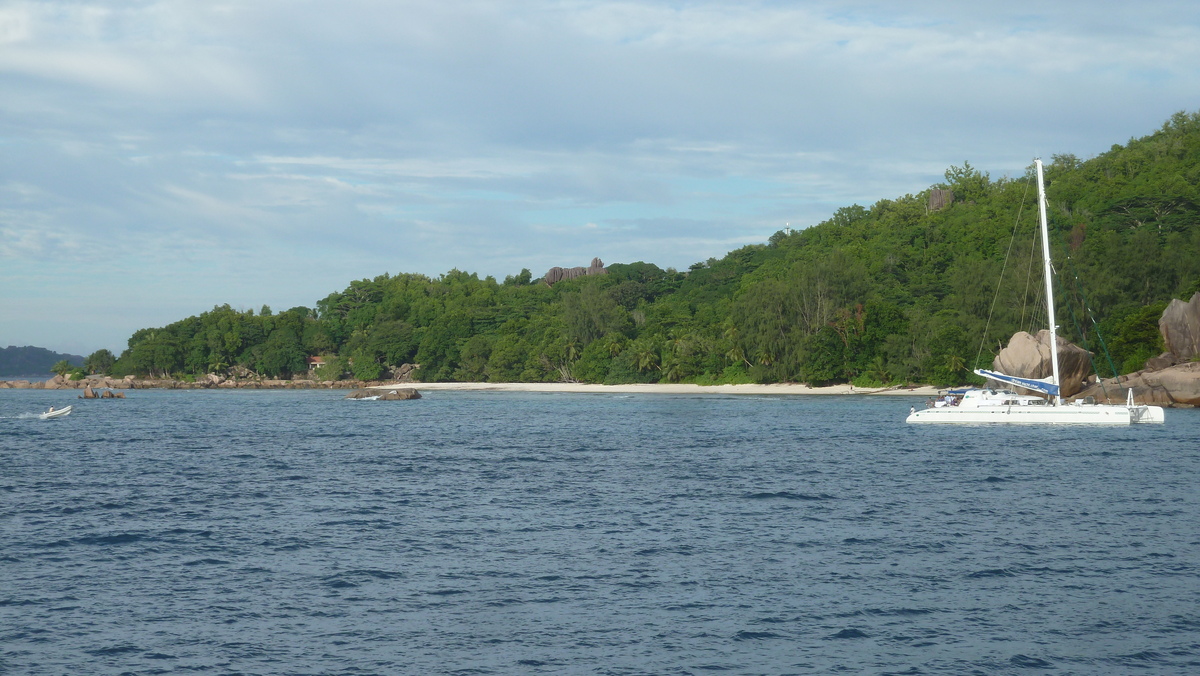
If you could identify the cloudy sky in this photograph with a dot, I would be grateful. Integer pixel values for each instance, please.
(160, 157)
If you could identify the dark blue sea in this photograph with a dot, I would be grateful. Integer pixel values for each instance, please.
(294, 532)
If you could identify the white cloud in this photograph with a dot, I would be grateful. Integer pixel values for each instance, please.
(270, 151)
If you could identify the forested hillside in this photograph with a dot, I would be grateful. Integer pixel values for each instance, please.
(32, 361)
(901, 291)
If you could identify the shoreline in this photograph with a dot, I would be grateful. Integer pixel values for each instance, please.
(783, 389)
(665, 388)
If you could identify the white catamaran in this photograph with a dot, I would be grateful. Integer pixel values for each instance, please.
(986, 405)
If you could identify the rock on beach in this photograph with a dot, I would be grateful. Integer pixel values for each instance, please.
(1029, 357)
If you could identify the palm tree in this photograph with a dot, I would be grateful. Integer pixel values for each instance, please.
(647, 358)
(613, 347)
(955, 364)
(573, 350)
(877, 370)
(674, 371)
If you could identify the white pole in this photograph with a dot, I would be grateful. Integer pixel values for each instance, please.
(1048, 274)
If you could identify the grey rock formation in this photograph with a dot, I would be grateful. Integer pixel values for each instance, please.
(1180, 328)
(56, 383)
(400, 394)
(404, 372)
(1169, 379)
(1177, 385)
(1162, 361)
(940, 198)
(555, 275)
(1029, 357)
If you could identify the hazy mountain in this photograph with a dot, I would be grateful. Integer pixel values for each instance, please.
(32, 361)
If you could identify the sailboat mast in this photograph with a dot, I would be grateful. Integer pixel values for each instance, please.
(1048, 274)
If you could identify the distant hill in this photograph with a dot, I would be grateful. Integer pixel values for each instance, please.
(32, 361)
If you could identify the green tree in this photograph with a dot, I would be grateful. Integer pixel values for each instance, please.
(333, 368)
(281, 355)
(1132, 336)
(473, 359)
(824, 357)
(507, 360)
(365, 367)
(594, 362)
(590, 313)
(99, 361)
(522, 279)
(968, 183)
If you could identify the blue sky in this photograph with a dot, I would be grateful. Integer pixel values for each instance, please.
(158, 158)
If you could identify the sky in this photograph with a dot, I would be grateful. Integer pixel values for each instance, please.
(160, 158)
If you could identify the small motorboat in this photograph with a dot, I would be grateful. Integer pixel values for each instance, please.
(55, 413)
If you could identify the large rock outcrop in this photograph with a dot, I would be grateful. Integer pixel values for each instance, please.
(1177, 385)
(404, 372)
(1169, 379)
(1180, 328)
(554, 275)
(57, 383)
(1029, 357)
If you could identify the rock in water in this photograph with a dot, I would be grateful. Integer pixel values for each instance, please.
(400, 394)
(1182, 382)
(1029, 357)
(1180, 328)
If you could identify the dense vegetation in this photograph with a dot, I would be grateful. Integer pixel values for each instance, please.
(897, 292)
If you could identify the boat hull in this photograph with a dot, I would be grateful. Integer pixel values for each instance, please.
(50, 415)
(1148, 414)
(1040, 415)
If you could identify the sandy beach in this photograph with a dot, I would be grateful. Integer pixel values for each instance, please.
(583, 388)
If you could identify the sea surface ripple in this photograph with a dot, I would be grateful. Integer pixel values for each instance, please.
(254, 532)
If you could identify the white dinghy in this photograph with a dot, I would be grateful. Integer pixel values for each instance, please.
(55, 413)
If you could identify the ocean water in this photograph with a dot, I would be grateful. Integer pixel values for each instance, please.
(261, 532)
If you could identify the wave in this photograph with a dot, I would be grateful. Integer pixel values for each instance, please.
(755, 635)
(1030, 662)
(114, 539)
(788, 495)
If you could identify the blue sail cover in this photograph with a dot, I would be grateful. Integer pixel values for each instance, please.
(1045, 385)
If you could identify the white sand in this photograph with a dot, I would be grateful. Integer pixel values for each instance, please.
(581, 388)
